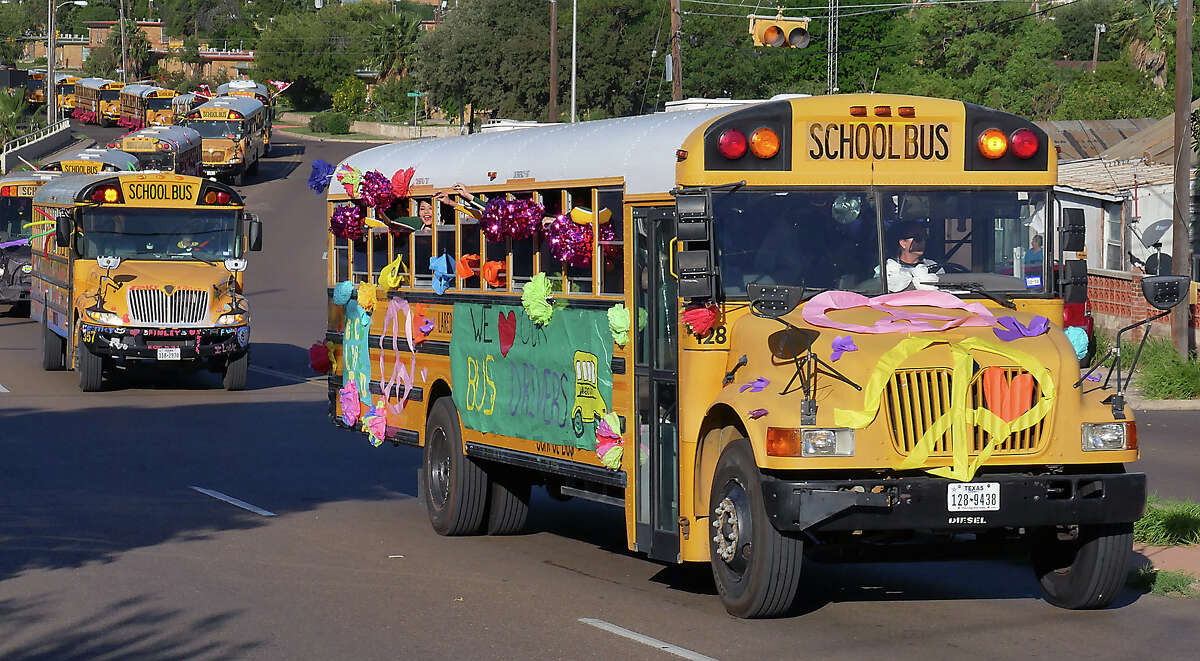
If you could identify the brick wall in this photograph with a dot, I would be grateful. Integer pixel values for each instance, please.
(1117, 301)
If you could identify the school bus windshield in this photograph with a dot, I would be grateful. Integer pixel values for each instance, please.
(155, 160)
(160, 234)
(66, 89)
(158, 104)
(217, 129)
(14, 212)
(109, 95)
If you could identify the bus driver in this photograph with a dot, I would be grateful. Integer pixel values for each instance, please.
(908, 268)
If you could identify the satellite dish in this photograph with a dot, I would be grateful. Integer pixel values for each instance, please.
(1154, 233)
(1158, 264)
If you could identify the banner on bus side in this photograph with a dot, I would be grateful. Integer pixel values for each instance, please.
(547, 383)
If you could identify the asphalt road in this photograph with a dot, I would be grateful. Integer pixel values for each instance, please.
(107, 551)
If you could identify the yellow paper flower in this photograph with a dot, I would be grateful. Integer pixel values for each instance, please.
(366, 296)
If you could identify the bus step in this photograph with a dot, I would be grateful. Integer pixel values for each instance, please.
(592, 495)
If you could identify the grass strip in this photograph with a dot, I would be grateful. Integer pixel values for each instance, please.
(1164, 583)
(1168, 523)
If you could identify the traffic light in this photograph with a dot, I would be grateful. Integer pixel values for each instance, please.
(779, 32)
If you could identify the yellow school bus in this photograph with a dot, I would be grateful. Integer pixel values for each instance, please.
(35, 87)
(233, 130)
(254, 90)
(91, 161)
(142, 268)
(17, 231)
(168, 148)
(65, 87)
(816, 322)
(146, 105)
(97, 101)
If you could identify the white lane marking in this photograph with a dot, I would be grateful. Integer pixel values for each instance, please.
(645, 640)
(233, 501)
(314, 380)
(2, 388)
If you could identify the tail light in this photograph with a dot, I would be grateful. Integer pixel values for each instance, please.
(732, 144)
(1024, 143)
(764, 143)
(107, 195)
(993, 144)
(217, 197)
(8, 191)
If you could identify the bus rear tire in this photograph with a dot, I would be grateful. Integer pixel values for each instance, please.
(1086, 572)
(508, 500)
(756, 568)
(54, 350)
(234, 377)
(455, 488)
(90, 368)
(239, 179)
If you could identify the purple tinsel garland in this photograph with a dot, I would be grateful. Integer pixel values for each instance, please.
(347, 222)
(570, 242)
(376, 191)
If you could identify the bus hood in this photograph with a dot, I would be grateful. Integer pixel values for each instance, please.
(161, 293)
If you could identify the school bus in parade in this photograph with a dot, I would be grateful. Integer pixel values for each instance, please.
(97, 101)
(167, 148)
(182, 104)
(143, 267)
(815, 323)
(35, 87)
(233, 131)
(64, 85)
(91, 161)
(255, 90)
(146, 105)
(17, 230)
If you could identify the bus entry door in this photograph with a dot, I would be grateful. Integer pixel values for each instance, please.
(656, 377)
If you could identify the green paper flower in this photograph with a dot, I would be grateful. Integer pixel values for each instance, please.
(612, 458)
(534, 295)
(618, 323)
(641, 318)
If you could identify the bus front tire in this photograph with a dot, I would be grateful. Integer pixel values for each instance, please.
(1086, 572)
(455, 488)
(508, 500)
(234, 377)
(90, 368)
(239, 179)
(54, 350)
(756, 568)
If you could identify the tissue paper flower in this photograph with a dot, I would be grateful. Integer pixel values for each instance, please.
(618, 324)
(534, 295)
(842, 345)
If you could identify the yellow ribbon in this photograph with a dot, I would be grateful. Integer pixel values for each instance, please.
(389, 276)
(958, 418)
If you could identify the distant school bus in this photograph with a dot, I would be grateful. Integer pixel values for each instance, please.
(92, 161)
(809, 321)
(146, 105)
(255, 90)
(167, 148)
(98, 101)
(233, 130)
(143, 268)
(183, 104)
(65, 85)
(35, 87)
(17, 228)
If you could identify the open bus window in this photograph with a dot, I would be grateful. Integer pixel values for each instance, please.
(993, 238)
(612, 251)
(341, 259)
(443, 218)
(380, 253)
(496, 251)
(422, 251)
(470, 244)
(820, 239)
(523, 251)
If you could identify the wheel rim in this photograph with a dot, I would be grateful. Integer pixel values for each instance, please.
(439, 468)
(732, 529)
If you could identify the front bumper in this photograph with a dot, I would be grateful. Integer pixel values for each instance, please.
(135, 343)
(920, 503)
(14, 293)
(211, 169)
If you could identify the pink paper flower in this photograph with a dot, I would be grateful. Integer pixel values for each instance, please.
(351, 406)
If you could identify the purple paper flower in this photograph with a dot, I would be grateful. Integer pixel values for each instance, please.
(756, 385)
(1094, 378)
(1015, 330)
(842, 345)
(427, 326)
(758, 413)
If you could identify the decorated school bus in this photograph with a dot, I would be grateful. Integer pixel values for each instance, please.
(168, 148)
(35, 87)
(92, 161)
(143, 268)
(146, 105)
(17, 229)
(813, 322)
(183, 104)
(233, 131)
(65, 88)
(97, 101)
(255, 90)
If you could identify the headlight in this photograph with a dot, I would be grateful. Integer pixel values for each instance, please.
(1109, 436)
(231, 319)
(105, 318)
(28, 268)
(783, 442)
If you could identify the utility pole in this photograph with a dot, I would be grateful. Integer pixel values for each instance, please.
(1181, 257)
(51, 90)
(831, 62)
(676, 48)
(553, 110)
(124, 66)
(574, 44)
(1100, 27)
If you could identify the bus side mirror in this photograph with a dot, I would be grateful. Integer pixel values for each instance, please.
(1165, 291)
(62, 232)
(693, 223)
(693, 215)
(254, 238)
(1074, 230)
(1074, 281)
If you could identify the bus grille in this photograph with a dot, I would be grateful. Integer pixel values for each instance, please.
(154, 306)
(914, 399)
(215, 157)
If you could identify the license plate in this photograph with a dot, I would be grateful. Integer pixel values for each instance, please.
(210, 172)
(168, 353)
(973, 497)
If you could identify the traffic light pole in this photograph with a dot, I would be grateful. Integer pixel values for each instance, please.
(676, 47)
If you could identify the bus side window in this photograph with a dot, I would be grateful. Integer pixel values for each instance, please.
(523, 251)
(496, 251)
(341, 259)
(422, 248)
(443, 220)
(612, 251)
(470, 241)
(380, 255)
(359, 271)
(581, 276)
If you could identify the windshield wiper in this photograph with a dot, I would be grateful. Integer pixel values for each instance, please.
(977, 288)
(197, 258)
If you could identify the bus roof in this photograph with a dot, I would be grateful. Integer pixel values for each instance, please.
(94, 83)
(243, 85)
(243, 104)
(114, 157)
(139, 89)
(65, 190)
(188, 97)
(181, 137)
(28, 175)
(639, 149)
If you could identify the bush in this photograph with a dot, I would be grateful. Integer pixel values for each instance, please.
(329, 122)
(350, 97)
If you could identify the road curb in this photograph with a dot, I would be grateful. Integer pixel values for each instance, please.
(1138, 403)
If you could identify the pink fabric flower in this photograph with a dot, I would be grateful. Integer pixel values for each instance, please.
(351, 407)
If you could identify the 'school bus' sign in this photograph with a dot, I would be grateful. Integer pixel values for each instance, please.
(544, 383)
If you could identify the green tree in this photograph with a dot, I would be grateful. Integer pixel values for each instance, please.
(13, 23)
(1148, 30)
(350, 97)
(190, 56)
(1116, 91)
(106, 60)
(12, 114)
(392, 42)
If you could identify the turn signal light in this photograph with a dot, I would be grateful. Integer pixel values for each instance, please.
(217, 197)
(883, 111)
(1024, 143)
(8, 191)
(732, 144)
(993, 144)
(764, 143)
(906, 111)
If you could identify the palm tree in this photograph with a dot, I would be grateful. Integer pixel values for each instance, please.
(12, 114)
(1149, 30)
(391, 41)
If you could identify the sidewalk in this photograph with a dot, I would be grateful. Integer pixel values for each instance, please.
(1168, 558)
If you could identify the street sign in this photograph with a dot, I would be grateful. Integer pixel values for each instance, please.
(416, 94)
